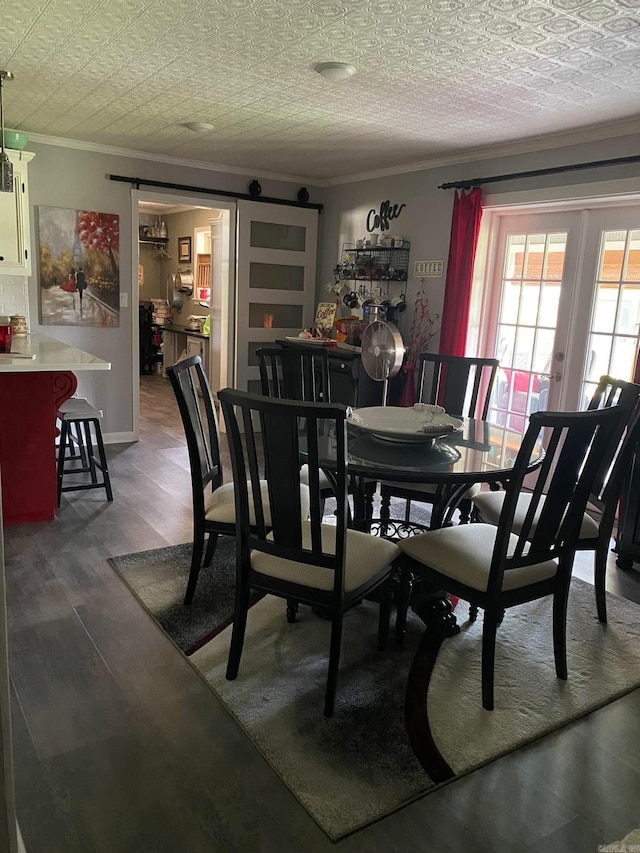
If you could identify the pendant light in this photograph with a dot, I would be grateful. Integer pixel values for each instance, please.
(6, 166)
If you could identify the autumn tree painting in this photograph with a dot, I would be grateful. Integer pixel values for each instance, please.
(79, 267)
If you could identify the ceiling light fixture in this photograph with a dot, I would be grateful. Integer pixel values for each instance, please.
(334, 71)
(6, 166)
(198, 126)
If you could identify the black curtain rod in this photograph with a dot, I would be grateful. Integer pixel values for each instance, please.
(138, 182)
(556, 170)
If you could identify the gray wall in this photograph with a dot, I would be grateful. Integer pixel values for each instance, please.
(64, 177)
(426, 220)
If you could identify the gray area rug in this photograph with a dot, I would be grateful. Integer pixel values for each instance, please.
(159, 579)
(391, 707)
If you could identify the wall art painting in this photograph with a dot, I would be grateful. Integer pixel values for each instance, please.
(79, 267)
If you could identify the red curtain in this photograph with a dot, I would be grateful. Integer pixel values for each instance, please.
(465, 227)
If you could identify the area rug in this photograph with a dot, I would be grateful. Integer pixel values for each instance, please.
(406, 720)
(159, 577)
(396, 733)
(159, 580)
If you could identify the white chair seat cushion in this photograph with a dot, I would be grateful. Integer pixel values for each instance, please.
(325, 483)
(366, 556)
(464, 553)
(429, 488)
(77, 408)
(220, 505)
(489, 505)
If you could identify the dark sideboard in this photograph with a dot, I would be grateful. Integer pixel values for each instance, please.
(350, 384)
(628, 537)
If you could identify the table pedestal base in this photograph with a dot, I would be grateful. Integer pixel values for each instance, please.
(435, 610)
(28, 406)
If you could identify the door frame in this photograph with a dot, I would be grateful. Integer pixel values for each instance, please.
(192, 200)
(578, 198)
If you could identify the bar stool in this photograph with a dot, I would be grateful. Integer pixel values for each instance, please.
(77, 416)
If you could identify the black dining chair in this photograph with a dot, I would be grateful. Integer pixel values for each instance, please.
(214, 511)
(600, 514)
(462, 386)
(213, 500)
(295, 374)
(495, 567)
(327, 566)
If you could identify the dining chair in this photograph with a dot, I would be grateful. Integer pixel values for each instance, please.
(462, 385)
(214, 511)
(295, 374)
(303, 374)
(326, 566)
(495, 567)
(600, 515)
(213, 500)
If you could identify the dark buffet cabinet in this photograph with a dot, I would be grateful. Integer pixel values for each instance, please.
(628, 537)
(350, 384)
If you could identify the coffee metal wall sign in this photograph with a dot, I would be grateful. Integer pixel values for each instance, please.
(381, 219)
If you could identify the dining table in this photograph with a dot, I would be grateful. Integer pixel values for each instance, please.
(476, 451)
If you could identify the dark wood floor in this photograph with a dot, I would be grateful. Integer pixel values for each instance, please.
(120, 747)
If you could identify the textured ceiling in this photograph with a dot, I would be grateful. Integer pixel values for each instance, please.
(435, 78)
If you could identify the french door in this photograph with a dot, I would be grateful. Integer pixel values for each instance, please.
(562, 307)
(276, 280)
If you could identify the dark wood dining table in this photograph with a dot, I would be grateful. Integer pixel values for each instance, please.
(481, 452)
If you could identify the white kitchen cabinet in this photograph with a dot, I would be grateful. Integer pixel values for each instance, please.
(199, 346)
(15, 233)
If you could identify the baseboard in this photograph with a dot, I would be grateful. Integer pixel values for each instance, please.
(119, 437)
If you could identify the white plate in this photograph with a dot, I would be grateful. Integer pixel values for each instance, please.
(394, 423)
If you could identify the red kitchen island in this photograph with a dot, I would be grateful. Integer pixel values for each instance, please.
(31, 390)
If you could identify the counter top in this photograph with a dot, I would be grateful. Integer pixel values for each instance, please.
(184, 330)
(50, 356)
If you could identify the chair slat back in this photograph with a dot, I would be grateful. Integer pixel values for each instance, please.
(199, 419)
(278, 430)
(576, 444)
(462, 385)
(295, 374)
(613, 392)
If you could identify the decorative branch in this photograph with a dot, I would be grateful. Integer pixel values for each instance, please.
(423, 326)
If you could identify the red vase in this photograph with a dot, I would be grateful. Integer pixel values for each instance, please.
(408, 394)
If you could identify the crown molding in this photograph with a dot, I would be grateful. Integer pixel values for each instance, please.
(97, 148)
(543, 142)
(565, 139)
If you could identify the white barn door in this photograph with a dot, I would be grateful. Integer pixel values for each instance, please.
(276, 278)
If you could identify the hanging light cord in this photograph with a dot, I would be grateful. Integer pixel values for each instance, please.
(6, 167)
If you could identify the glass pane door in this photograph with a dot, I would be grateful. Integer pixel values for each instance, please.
(276, 280)
(615, 321)
(532, 261)
(563, 308)
(532, 275)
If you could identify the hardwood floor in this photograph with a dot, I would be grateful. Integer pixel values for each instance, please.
(119, 746)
